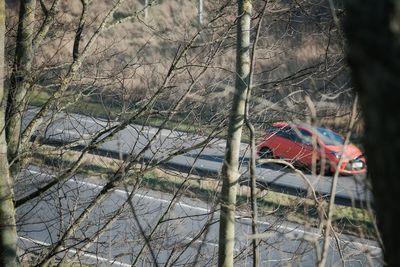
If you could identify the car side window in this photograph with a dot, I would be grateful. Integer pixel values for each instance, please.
(305, 137)
(288, 134)
(282, 133)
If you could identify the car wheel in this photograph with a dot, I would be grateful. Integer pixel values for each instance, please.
(327, 168)
(265, 153)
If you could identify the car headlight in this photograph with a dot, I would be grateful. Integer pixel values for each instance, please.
(337, 154)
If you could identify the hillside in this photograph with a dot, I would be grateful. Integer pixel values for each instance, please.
(299, 52)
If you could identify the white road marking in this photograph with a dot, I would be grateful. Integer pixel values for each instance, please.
(248, 220)
(146, 197)
(74, 251)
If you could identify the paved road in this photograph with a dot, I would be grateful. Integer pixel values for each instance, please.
(188, 234)
(80, 129)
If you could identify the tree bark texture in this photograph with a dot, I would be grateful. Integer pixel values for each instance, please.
(230, 168)
(8, 234)
(21, 75)
(373, 32)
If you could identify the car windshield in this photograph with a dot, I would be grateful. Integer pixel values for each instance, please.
(329, 137)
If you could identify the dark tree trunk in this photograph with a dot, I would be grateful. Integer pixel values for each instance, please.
(373, 33)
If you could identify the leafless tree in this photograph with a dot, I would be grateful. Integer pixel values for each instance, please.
(184, 65)
(8, 240)
(68, 58)
(230, 168)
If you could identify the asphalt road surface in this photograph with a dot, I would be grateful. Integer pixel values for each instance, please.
(187, 235)
(79, 130)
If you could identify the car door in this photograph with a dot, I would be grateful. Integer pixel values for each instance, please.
(296, 151)
(286, 144)
(307, 147)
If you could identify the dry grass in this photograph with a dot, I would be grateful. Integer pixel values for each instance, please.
(131, 59)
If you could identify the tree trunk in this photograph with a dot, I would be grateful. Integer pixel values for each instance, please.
(8, 234)
(373, 32)
(21, 75)
(146, 10)
(230, 172)
(200, 13)
(253, 152)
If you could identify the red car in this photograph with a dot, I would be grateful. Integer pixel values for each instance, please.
(295, 143)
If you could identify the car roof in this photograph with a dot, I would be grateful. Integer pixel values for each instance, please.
(280, 124)
(283, 124)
